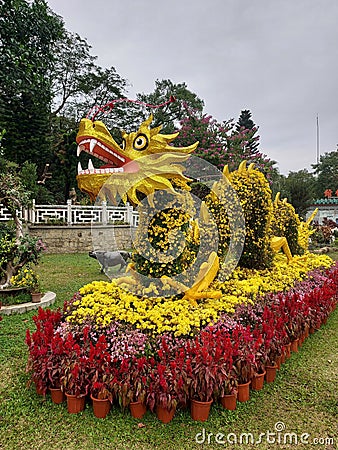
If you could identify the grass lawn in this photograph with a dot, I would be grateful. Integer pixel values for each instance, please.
(304, 396)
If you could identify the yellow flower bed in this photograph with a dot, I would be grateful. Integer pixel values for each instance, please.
(105, 302)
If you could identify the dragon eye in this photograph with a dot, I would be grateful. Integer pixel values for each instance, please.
(123, 145)
(140, 142)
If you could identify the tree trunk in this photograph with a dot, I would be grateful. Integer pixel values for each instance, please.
(10, 272)
(19, 228)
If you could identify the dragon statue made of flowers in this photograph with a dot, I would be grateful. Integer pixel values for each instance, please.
(147, 162)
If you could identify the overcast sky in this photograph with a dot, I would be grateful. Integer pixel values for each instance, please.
(278, 58)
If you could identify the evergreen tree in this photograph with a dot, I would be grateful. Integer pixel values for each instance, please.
(245, 124)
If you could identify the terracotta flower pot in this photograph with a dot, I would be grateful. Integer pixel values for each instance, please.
(283, 357)
(312, 330)
(137, 409)
(294, 345)
(200, 410)
(243, 392)
(36, 297)
(258, 381)
(101, 407)
(270, 375)
(75, 404)
(229, 402)
(57, 395)
(279, 362)
(288, 350)
(165, 415)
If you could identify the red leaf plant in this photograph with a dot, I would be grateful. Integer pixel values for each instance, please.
(45, 348)
(207, 364)
(245, 348)
(132, 380)
(76, 369)
(168, 387)
(103, 371)
(269, 336)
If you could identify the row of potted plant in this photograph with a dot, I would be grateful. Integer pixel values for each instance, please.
(214, 363)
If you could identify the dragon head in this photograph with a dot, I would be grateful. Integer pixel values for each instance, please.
(144, 162)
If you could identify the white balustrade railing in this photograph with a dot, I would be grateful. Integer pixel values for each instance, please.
(74, 214)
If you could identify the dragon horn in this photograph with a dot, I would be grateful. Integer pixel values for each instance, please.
(277, 198)
(226, 171)
(242, 167)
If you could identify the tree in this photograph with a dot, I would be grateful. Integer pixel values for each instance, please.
(299, 189)
(13, 194)
(221, 143)
(27, 33)
(170, 115)
(327, 173)
(245, 124)
(16, 249)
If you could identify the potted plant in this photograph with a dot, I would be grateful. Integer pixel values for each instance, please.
(75, 373)
(244, 351)
(45, 350)
(29, 279)
(206, 370)
(102, 377)
(167, 388)
(131, 384)
(228, 392)
(101, 397)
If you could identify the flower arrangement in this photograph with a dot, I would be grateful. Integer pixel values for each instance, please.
(169, 370)
(27, 278)
(107, 303)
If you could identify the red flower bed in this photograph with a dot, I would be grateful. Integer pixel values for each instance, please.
(168, 371)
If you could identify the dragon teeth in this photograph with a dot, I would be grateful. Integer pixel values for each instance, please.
(90, 165)
(92, 144)
(79, 150)
(79, 168)
(106, 170)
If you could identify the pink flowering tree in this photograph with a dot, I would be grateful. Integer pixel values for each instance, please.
(222, 143)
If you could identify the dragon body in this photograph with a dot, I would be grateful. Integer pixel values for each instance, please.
(147, 162)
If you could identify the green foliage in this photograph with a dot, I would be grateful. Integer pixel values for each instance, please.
(326, 171)
(13, 191)
(27, 33)
(173, 112)
(16, 299)
(299, 188)
(15, 253)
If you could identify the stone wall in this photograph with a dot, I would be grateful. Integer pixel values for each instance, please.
(81, 239)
